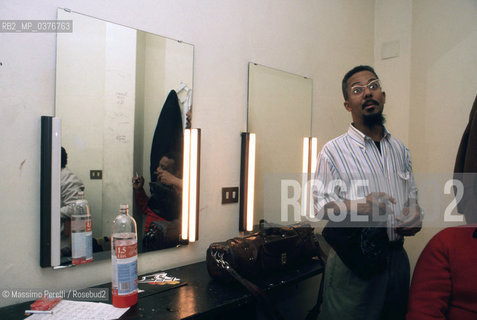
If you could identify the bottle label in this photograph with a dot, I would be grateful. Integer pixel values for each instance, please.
(89, 225)
(81, 224)
(81, 240)
(82, 247)
(124, 262)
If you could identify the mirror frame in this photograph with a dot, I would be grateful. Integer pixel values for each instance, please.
(248, 184)
(50, 238)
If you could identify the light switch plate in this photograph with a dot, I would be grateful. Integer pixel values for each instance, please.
(96, 174)
(230, 195)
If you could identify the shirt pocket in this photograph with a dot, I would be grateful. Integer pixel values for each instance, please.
(404, 184)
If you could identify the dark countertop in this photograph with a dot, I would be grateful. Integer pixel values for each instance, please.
(200, 298)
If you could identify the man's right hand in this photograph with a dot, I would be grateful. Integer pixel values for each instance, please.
(375, 202)
(138, 182)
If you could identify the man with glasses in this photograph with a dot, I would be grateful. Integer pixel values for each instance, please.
(366, 174)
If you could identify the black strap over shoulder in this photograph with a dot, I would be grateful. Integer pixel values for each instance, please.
(363, 250)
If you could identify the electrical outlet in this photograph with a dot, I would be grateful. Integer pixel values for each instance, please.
(230, 195)
(96, 174)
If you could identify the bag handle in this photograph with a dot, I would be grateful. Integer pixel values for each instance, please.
(266, 228)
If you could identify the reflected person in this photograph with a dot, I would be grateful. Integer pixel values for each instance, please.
(165, 201)
(369, 157)
(70, 185)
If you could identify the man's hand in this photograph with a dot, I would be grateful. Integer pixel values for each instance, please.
(138, 182)
(167, 178)
(410, 221)
(376, 202)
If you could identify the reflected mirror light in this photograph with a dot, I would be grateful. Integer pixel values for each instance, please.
(310, 153)
(304, 181)
(124, 97)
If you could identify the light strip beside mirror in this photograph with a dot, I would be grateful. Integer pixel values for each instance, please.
(194, 185)
(190, 185)
(313, 163)
(251, 182)
(247, 181)
(185, 185)
(304, 181)
(310, 153)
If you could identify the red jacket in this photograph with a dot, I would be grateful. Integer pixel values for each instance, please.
(142, 199)
(444, 284)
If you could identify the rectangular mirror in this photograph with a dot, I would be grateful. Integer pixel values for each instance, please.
(113, 84)
(279, 113)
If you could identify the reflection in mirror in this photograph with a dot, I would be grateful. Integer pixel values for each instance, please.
(279, 113)
(124, 97)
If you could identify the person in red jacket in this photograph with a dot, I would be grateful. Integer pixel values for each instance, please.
(444, 283)
(164, 203)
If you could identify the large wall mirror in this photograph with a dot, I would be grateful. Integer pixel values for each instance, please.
(124, 98)
(279, 113)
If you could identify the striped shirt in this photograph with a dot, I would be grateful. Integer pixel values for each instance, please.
(351, 166)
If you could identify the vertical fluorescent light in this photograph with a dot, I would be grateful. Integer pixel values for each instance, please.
(55, 191)
(247, 181)
(310, 153)
(314, 154)
(185, 184)
(304, 181)
(190, 184)
(251, 181)
(313, 161)
(194, 151)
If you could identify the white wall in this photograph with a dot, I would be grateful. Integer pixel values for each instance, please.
(319, 39)
(393, 28)
(444, 86)
(430, 89)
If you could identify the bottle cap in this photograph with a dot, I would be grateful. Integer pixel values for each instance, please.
(123, 207)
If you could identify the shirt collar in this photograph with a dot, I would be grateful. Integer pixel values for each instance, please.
(361, 138)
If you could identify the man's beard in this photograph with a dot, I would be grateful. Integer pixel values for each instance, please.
(371, 120)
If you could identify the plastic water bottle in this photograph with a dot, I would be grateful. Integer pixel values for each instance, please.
(81, 232)
(124, 259)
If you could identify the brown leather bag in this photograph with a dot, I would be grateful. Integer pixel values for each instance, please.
(269, 250)
(162, 234)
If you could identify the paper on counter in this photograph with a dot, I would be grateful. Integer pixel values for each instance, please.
(76, 310)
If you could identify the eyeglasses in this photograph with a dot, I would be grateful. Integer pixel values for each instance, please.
(372, 86)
